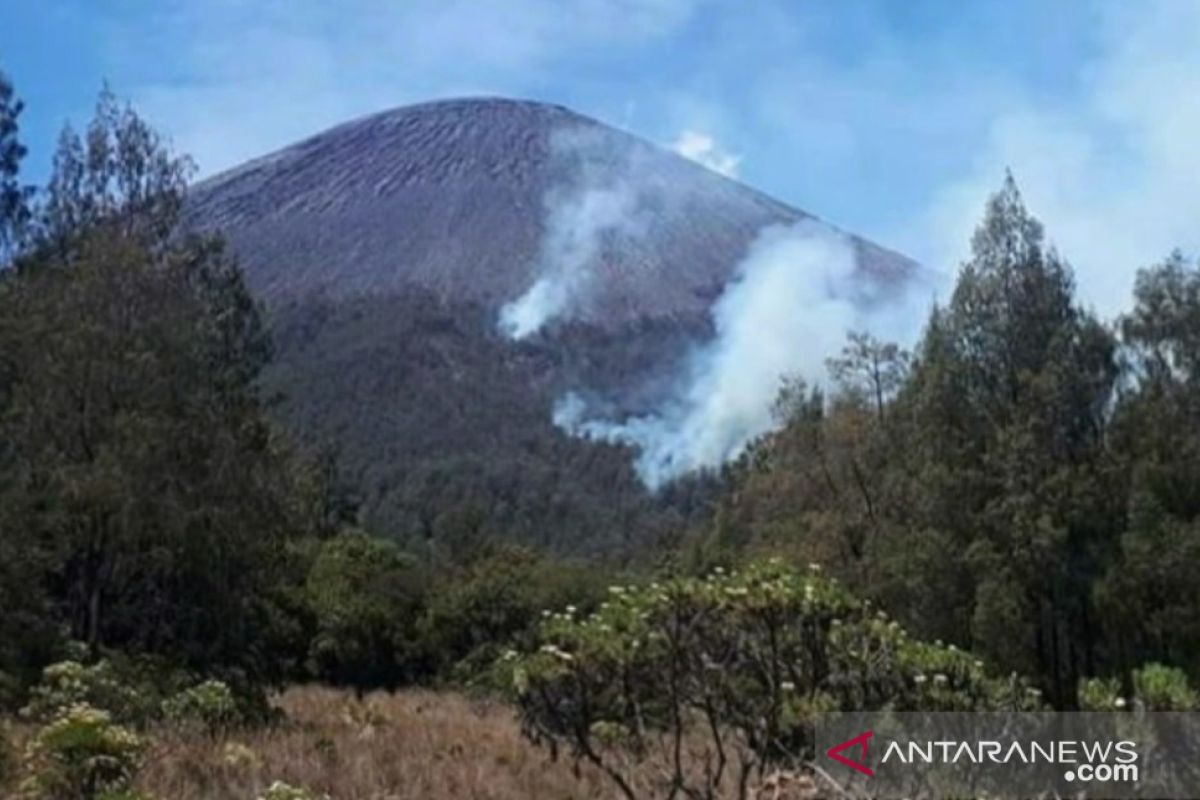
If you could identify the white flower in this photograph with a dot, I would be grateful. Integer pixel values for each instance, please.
(787, 686)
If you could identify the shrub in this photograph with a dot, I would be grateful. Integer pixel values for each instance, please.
(210, 704)
(1161, 688)
(281, 791)
(69, 683)
(494, 604)
(81, 755)
(743, 660)
(364, 597)
(1100, 694)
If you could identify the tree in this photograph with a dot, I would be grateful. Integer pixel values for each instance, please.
(138, 473)
(365, 597)
(1149, 595)
(120, 174)
(1033, 378)
(714, 680)
(870, 368)
(14, 197)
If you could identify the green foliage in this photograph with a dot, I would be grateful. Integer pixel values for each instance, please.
(81, 755)
(1025, 487)
(448, 437)
(14, 197)
(210, 704)
(477, 611)
(1100, 694)
(364, 596)
(1162, 688)
(746, 657)
(146, 504)
(68, 684)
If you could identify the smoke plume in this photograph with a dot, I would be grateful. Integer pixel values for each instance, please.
(596, 204)
(793, 299)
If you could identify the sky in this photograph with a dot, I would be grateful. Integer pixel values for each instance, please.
(889, 118)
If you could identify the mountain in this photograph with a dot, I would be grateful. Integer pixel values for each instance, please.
(388, 250)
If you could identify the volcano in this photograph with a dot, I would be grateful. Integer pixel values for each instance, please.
(386, 251)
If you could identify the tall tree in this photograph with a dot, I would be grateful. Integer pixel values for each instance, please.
(137, 462)
(14, 196)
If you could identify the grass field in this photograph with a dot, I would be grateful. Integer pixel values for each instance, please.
(414, 745)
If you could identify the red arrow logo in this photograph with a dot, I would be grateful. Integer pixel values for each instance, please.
(835, 752)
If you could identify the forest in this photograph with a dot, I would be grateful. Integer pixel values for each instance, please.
(1004, 517)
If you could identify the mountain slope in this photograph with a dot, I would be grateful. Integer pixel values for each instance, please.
(450, 196)
(386, 250)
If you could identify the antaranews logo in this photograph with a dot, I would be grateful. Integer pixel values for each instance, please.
(859, 741)
(1086, 761)
(1019, 754)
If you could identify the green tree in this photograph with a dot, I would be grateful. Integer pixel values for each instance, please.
(1032, 376)
(365, 597)
(14, 196)
(1149, 594)
(138, 476)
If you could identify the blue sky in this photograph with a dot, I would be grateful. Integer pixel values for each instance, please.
(891, 118)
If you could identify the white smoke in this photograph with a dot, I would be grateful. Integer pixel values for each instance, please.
(794, 297)
(704, 150)
(598, 202)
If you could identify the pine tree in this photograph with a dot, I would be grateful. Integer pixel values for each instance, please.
(14, 197)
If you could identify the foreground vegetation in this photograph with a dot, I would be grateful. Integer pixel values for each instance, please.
(1004, 519)
(414, 745)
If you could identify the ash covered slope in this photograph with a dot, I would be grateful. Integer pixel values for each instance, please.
(388, 249)
(451, 197)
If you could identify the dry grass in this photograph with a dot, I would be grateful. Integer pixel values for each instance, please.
(415, 745)
(408, 746)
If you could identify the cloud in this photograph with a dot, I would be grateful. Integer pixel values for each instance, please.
(231, 80)
(1112, 172)
(703, 149)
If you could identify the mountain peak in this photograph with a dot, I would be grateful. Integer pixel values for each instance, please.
(452, 196)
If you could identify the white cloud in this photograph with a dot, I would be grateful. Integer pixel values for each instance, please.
(704, 150)
(232, 80)
(1114, 173)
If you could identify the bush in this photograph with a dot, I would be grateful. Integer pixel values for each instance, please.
(743, 661)
(1161, 688)
(81, 755)
(210, 704)
(281, 791)
(1100, 694)
(68, 684)
(494, 604)
(364, 598)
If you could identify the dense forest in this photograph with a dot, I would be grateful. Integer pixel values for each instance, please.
(1019, 493)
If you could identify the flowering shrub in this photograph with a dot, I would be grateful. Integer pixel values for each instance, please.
(1155, 688)
(210, 704)
(744, 660)
(81, 755)
(281, 791)
(69, 683)
(1100, 694)
(1161, 688)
